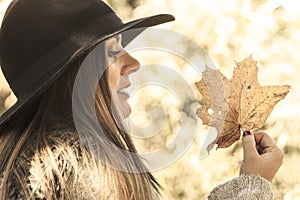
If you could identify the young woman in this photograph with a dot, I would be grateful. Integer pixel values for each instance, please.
(51, 146)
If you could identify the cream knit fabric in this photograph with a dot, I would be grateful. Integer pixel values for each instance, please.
(37, 172)
(244, 187)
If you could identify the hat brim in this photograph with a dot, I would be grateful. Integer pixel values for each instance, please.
(39, 88)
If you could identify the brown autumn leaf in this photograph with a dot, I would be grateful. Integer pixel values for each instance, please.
(235, 104)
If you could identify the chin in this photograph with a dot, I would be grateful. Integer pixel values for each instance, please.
(125, 111)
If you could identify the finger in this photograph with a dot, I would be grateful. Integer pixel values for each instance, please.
(249, 146)
(263, 140)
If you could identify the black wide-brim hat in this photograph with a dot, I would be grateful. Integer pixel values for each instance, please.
(39, 39)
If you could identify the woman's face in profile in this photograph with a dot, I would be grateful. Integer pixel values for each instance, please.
(120, 66)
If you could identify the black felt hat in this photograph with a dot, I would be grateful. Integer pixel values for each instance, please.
(40, 38)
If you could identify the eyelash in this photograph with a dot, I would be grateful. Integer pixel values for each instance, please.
(113, 53)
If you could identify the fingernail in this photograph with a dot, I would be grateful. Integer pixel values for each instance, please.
(245, 133)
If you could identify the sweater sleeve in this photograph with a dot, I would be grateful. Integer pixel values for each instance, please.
(244, 187)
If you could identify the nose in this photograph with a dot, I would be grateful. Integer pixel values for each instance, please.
(130, 64)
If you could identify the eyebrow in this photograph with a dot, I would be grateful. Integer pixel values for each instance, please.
(116, 37)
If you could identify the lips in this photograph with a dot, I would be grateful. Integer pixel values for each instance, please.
(121, 96)
(123, 90)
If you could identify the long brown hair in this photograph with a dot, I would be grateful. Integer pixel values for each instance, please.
(43, 156)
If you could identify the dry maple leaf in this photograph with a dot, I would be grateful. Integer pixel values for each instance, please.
(235, 104)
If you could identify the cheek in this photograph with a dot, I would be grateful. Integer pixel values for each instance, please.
(113, 77)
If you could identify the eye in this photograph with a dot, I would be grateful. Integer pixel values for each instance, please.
(113, 54)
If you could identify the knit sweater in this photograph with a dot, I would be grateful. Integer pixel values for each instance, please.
(37, 172)
(244, 187)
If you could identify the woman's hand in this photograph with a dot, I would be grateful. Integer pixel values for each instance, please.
(261, 155)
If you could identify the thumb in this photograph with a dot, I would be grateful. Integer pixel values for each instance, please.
(249, 145)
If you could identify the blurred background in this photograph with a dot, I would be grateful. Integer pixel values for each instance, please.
(228, 31)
